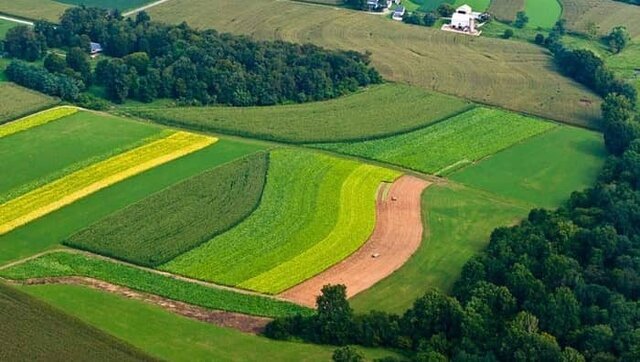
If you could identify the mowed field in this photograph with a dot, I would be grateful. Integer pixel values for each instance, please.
(33, 9)
(506, 10)
(5, 25)
(542, 13)
(27, 322)
(18, 101)
(108, 4)
(606, 14)
(513, 75)
(373, 112)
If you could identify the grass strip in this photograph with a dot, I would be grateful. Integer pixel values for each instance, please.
(62, 264)
(36, 119)
(77, 185)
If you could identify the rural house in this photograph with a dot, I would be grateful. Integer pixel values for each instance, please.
(464, 20)
(95, 49)
(398, 13)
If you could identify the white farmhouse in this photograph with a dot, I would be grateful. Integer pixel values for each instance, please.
(464, 20)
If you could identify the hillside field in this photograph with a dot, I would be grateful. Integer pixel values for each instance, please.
(606, 14)
(5, 25)
(33, 9)
(505, 10)
(515, 75)
(108, 4)
(18, 102)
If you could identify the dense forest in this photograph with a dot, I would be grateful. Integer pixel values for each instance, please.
(563, 285)
(146, 60)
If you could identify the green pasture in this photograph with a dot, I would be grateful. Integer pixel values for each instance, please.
(171, 337)
(34, 9)
(5, 25)
(429, 5)
(542, 13)
(458, 222)
(108, 4)
(51, 334)
(377, 111)
(310, 201)
(449, 145)
(62, 264)
(181, 217)
(543, 170)
(45, 153)
(47, 232)
(18, 101)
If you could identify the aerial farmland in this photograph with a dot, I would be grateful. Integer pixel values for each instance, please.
(315, 181)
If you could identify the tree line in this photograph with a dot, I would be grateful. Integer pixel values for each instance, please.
(146, 60)
(563, 285)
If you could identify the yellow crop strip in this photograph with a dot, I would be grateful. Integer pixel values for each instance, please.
(77, 185)
(36, 119)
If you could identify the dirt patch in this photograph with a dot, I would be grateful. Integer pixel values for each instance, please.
(397, 235)
(585, 102)
(242, 322)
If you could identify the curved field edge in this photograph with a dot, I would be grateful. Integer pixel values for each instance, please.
(374, 112)
(37, 119)
(77, 185)
(171, 337)
(27, 322)
(449, 145)
(66, 264)
(192, 212)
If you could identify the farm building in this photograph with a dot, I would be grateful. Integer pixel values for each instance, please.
(398, 13)
(95, 48)
(380, 5)
(464, 20)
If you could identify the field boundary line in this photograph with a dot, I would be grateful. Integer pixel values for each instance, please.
(15, 20)
(145, 7)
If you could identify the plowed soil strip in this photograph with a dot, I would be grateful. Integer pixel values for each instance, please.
(397, 235)
(242, 322)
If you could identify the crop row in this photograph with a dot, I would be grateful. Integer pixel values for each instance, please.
(77, 185)
(173, 221)
(36, 119)
(62, 264)
(448, 145)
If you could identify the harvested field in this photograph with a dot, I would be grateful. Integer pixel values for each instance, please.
(373, 112)
(68, 189)
(397, 235)
(65, 264)
(449, 145)
(18, 102)
(514, 75)
(606, 14)
(31, 330)
(192, 212)
(505, 10)
(33, 9)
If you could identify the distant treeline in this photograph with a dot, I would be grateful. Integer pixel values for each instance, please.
(634, 2)
(148, 60)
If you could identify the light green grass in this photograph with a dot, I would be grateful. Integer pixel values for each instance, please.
(542, 171)
(307, 200)
(542, 13)
(429, 5)
(5, 25)
(458, 222)
(373, 112)
(449, 145)
(47, 232)
(33, 9)
(64, 264)
(108, 4)
(175, 338)
(18, 101)
(44, 153)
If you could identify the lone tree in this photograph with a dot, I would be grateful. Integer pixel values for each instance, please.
(521, 20)
(618, 39)
(335, 316)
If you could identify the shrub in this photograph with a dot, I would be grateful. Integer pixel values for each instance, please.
(508, 33)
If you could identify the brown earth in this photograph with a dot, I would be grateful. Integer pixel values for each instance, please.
(397, 235)
(241, 322)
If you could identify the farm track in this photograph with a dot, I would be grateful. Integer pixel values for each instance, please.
(397, 235)
(242, 322)
(145, 7)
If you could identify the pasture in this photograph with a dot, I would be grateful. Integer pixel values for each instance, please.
(458, 222)
(63, 264)
(543, 170)
(505, 10)
(449, 145)
(5, 25)
(47, 232)
(374, 112)
(521, 77)
(542, 13)
(33, 9)
(310, 202)
(35, 120)
(192, 212)
(77, 141)
(108, 4)
(25, 321)
(168, 336)
(429, 5)
(606, 14)
(18, 101)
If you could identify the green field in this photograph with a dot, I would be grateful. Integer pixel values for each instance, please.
(61, 264)
(18, 102)
(606, 14)
(308, 203)
(108, 4)
(175, 338)
(192, 212)
(76, 141)
(518, 76)
(542, 171)
(449, 145)
(458, 223)
(429, 5)
(542, 13)
(506, 10)
(49, 231)
(378, 111)
(5, 25)
(31, 330)
(33, 9)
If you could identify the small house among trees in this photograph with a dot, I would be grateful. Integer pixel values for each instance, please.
(96, 48)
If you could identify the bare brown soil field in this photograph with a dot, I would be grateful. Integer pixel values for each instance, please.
(241, 322)
(513, 75)
(397, 235)
(606, 14)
